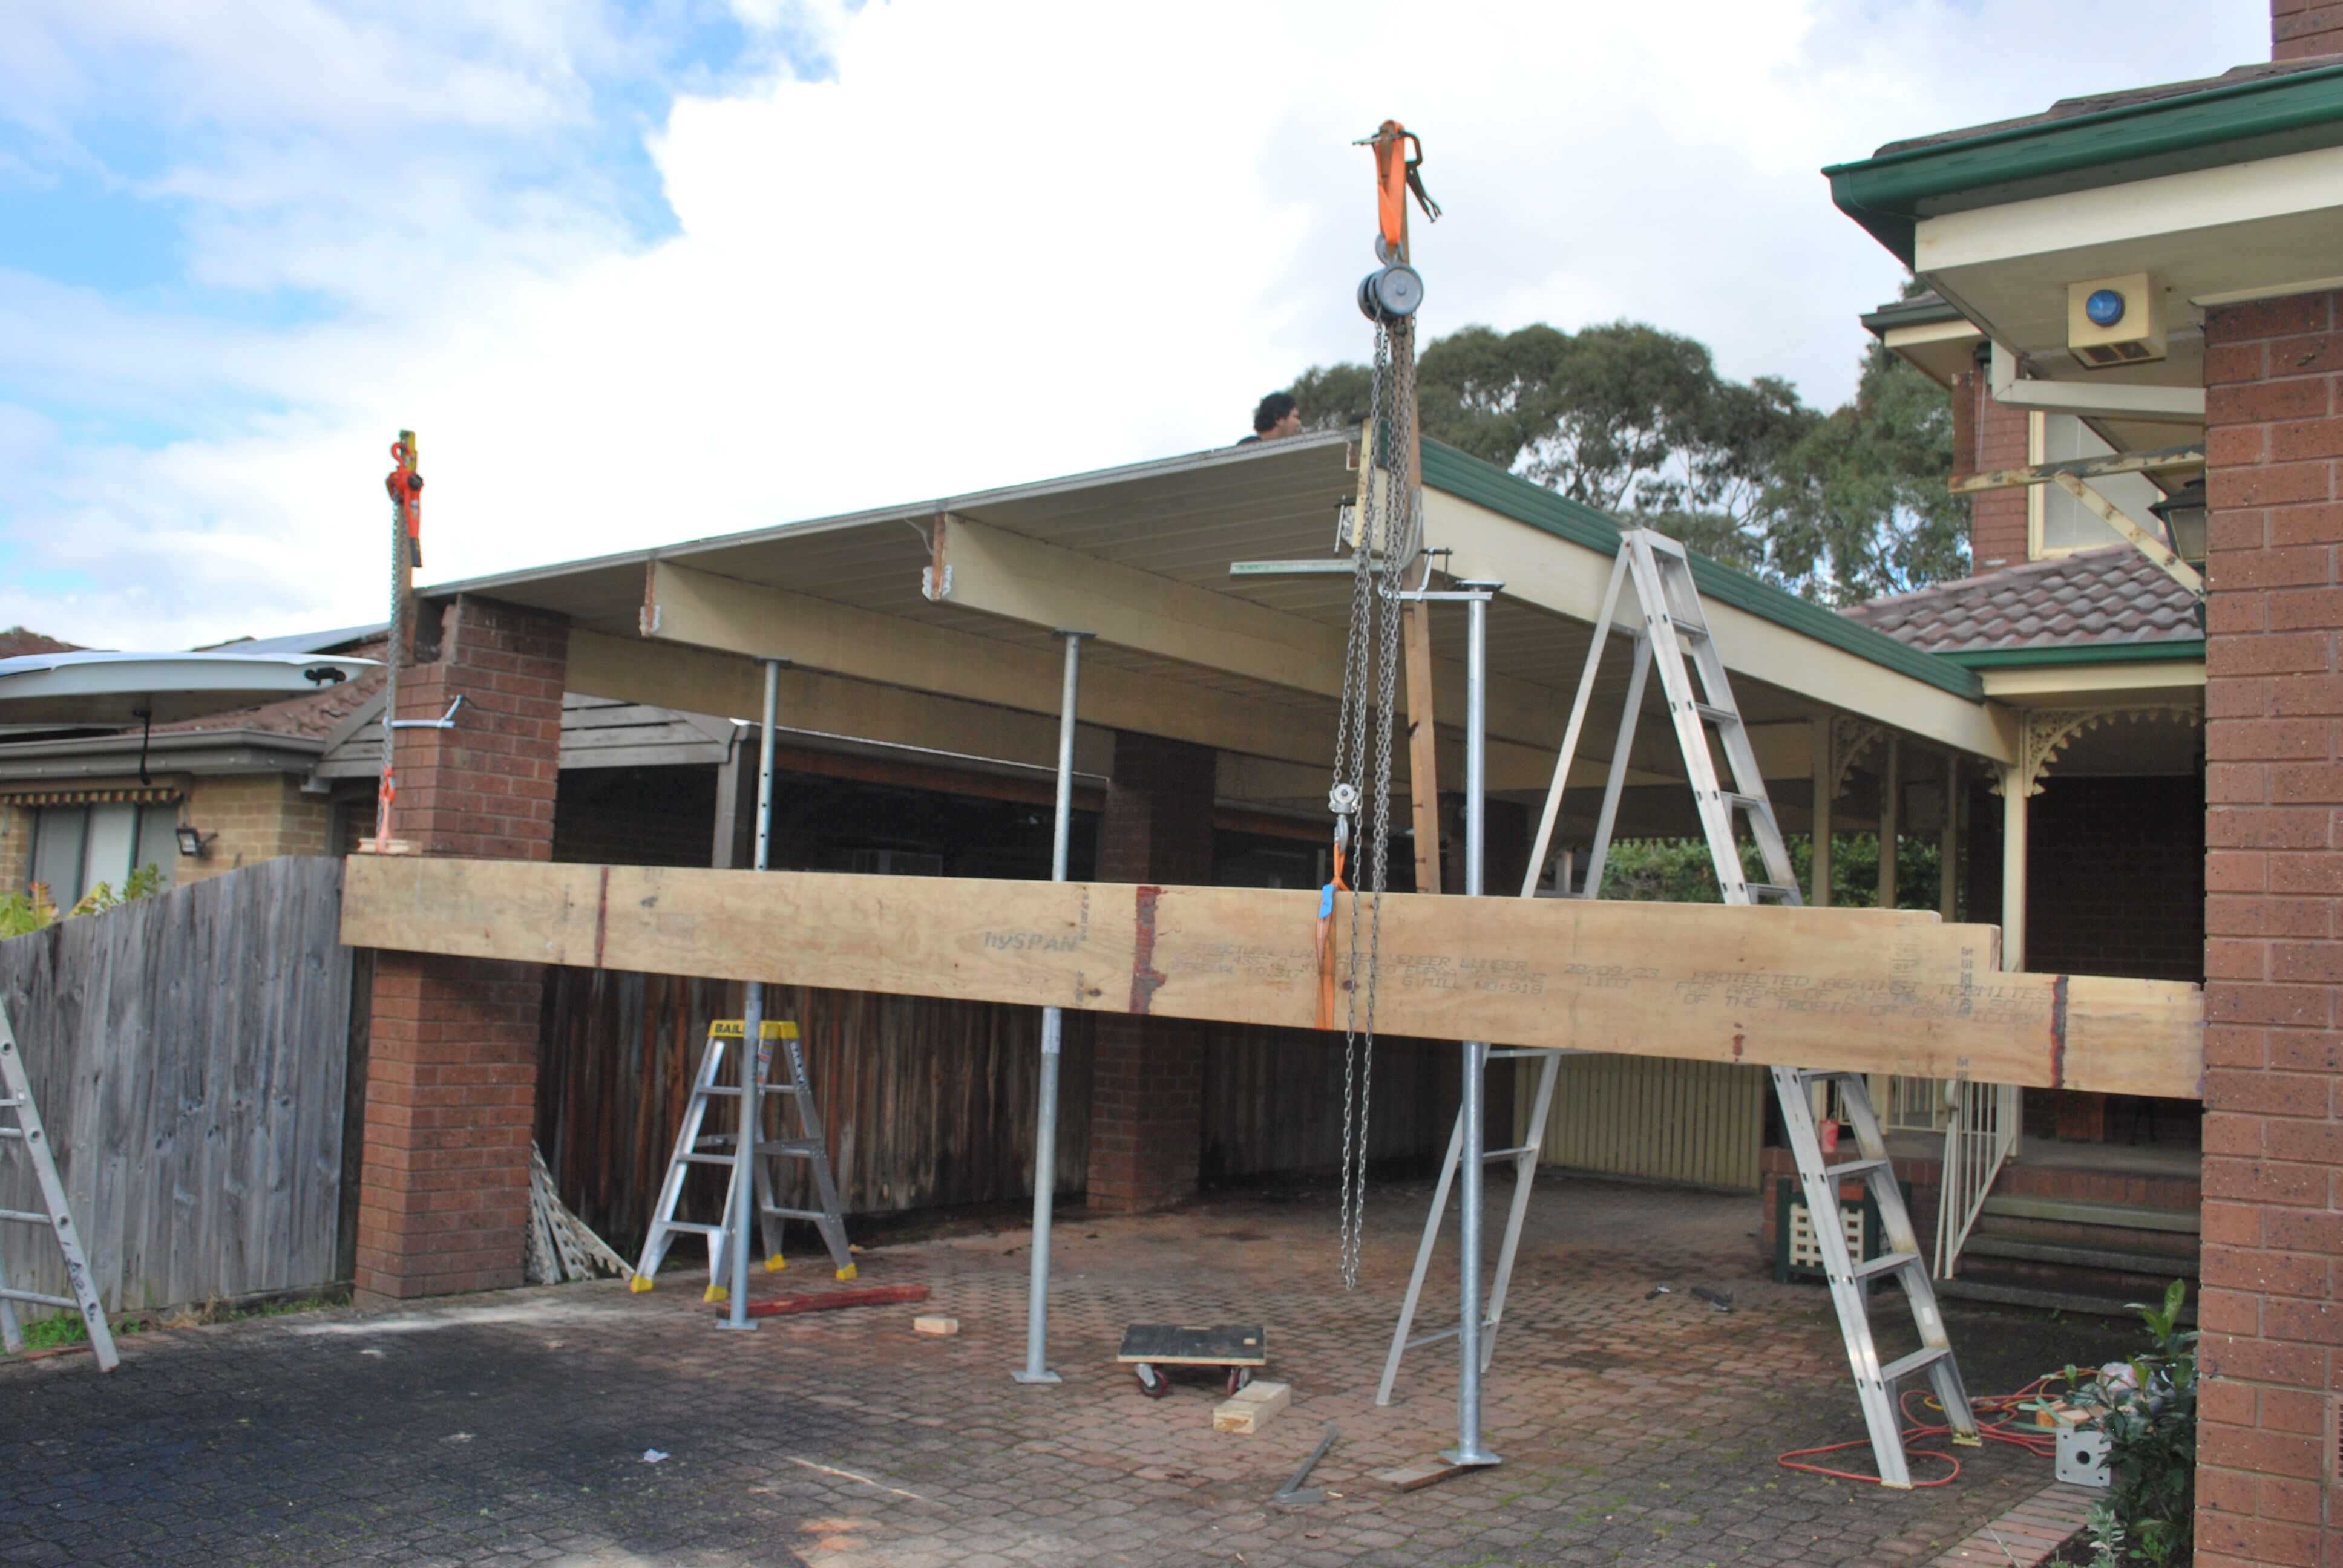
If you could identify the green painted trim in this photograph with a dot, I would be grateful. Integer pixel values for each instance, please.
(2182, 650)
(1888, 194)
(1471, 478)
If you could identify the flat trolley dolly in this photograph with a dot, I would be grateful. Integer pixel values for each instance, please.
(1148, 1348)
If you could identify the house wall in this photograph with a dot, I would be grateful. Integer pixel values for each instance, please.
(16, 848)
(2272, 1349)
(257, 816)
(2115, 875)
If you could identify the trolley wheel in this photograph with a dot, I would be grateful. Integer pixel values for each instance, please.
(1152, 1382)
(1238, 1378)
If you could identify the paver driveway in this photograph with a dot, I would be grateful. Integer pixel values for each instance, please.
(513, 1428)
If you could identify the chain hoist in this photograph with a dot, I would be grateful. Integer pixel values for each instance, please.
(1384, 536)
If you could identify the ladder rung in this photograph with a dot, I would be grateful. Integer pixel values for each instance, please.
(704, 1158)
(37, 1299)
(792, 1213)
(1774, 889)
(1689, 628)
(1853, 1167)
(1716, 715)
(1513, 1154)
(1883, 1263)
(11, 1133)
(795, 1148)
(1828, 1074)
(732, 1090)
(689, 1229)
(1753, 804)
(27, 1216)
(1904, 1366)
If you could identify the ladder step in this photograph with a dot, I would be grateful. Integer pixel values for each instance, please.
(27, 1216)
(11, 1133)
(1904, 1366)
(1754, 805)
(731, 1089)
(1853, 1167)
(37, 1299)
(1714, 715)
(792, 1213)
(1774, 891)
(1689, 628)
(1883, 1263)
(795, 1148)
(689, 1229)
(703, 1160)
(1829, 1075)
(1513, 1154)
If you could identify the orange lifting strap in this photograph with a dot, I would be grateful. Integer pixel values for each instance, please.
(1395, 175)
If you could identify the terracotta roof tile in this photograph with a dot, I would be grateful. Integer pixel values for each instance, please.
(2110, 595)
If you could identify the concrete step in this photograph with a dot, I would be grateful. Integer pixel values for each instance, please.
(2113, 1216)
(2026, 1250)
(2048, 1299)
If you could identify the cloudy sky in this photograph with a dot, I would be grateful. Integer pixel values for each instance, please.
(642, 272)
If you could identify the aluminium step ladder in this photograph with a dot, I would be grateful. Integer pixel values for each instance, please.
(694, 1147)
(1671, 634)
(1850, 1278)
(22, 1127)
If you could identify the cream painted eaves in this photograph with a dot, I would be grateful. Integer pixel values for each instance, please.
(1567, 578)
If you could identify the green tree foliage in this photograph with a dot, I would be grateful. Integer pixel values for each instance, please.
(1638, 423)
(1678, 870)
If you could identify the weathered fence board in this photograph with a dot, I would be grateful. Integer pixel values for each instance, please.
(929, 1102)
(189, 1052)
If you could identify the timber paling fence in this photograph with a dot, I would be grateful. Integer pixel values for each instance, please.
(188, 1053)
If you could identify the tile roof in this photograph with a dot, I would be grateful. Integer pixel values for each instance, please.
(2107, 596)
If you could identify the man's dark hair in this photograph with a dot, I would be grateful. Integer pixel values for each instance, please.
(1273, 409)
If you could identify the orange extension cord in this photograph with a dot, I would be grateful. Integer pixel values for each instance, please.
(1995, 1413)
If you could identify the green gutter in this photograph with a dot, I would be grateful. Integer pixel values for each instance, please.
(1890, 194)
(1484, 484)
(2190, 650)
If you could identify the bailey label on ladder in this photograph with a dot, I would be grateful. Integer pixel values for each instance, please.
(21, 1126)
(695, 1147)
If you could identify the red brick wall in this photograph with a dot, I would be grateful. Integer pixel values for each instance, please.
(1147, 1079)
(2301, 28)
(1997, 518)
(2273, 1334)
(451, 1068)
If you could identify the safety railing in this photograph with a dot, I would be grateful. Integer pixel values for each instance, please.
(1979, 1140)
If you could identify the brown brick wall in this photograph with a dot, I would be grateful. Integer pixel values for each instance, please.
(2273, 1335)
(1147, 1081)
(257, 816)
(2115, 875)
(2302, 28)
(16, 848)
(451, 1067)
(1997, 518)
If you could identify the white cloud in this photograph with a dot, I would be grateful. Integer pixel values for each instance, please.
(995, 242)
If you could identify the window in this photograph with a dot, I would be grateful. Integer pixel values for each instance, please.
(75, 848)
(2057, 523)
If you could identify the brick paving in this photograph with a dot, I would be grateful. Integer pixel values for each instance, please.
(512, 1427)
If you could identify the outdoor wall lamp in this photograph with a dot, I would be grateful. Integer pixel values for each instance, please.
(2183, 513)
(192, 839)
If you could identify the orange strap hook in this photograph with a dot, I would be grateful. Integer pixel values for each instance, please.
(1397, 174)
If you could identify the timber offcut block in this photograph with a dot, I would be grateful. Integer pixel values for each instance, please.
(935, 1325)
(1252, 1407)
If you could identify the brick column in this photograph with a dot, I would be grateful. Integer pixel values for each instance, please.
(1148, 1073)
(1998, 526)
(451, 1069)
(2272, 1239)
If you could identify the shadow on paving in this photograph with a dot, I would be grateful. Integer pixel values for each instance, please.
(1636, 1427)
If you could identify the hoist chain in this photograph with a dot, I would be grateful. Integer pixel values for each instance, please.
(1390, 515)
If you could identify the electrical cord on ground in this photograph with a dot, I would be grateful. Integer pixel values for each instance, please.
(1995, 1415)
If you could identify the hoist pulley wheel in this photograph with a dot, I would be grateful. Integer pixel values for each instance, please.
(1392, 293)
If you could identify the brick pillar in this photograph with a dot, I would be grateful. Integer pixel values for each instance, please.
(451, 1069)
(1148, 1073)
(2273, 1239)
(1997, 528)
(2300, 29)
